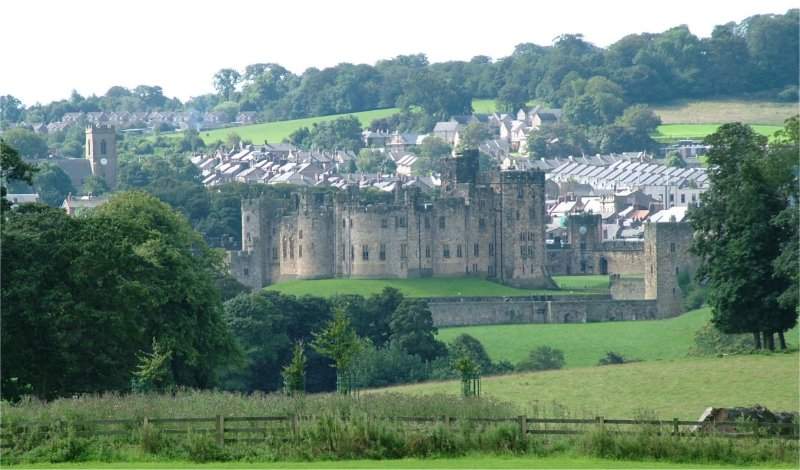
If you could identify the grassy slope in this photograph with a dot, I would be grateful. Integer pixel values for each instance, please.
(584, 344)
(437, 287)
(679, 388)
(275, 132)
(470, 461)
(716, 111)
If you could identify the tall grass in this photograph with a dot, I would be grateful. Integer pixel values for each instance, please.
(343, 428)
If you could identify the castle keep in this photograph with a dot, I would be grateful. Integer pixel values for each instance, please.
(489, 226)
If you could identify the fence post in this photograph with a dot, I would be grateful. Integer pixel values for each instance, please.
(294, 423)
(600, 421)
(220, 430)
(145, 423)
(675, 430)
(523, 425)
(446, 420)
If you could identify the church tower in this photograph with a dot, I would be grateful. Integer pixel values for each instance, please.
(101, 151)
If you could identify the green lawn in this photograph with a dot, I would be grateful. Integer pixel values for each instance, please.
(438, 287)
(730, 110)
(671, 132)
(680, 388)
(470, 461)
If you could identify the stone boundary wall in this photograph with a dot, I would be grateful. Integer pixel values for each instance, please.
(626, 288)
(547, 309)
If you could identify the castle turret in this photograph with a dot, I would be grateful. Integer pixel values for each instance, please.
(667, 259)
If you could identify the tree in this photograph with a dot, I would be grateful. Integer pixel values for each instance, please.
(639, 118)
(11, 110)
(467, 346)
(674, 160)
(225, 82)
(52, 184)
(542, 358)
(430, 152)
(473, 135)
(511, 97)
(294, 373)
(736, 242)
(26, 142)
(95, 186)
(12, 169)
(374, 161)
(413, 330)
(229, 109)
(339, 342)
(153, 372)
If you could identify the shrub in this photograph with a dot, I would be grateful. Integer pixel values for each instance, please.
(611, 358)
(709, 341)
(542, 358)
(201, 447)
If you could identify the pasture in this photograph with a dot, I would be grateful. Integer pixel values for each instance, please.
(438, 287)
(680, 388)
(672, 132)
(275, 132)
(731, 110)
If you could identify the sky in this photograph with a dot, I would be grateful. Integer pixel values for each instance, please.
(50, 47)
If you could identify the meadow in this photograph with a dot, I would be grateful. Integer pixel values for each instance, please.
(439, 287)
(680, 388)
(730, 110)
(673, 132)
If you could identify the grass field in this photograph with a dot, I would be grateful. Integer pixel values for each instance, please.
(680, 388)
(275, 132)
(716, 111)
(471, 461)
(438, 287)
(671, 132)
(585, 343)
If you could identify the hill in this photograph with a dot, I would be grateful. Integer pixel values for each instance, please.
(439, 287)
(669, 389)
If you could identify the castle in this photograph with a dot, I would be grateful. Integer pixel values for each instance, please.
(484, 224)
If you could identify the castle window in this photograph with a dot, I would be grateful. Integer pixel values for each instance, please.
(284, 248)
(246, 272)
(523, 252)
(475, 249)
(274, 252)
(300, 251)
(491, 249)
(344, 223)
(672, 247)
(530, 236)
(459, 252)
(530, 251)
(343, 251)
(365, 252)
(382, 254)
(677, 271)
(402, 221)
(441, 222)
(517, 214)
(474, 268)
(683, 198)
(427, 222)
(403, 251)
(481, 203)
(384, 223)
(532, 213)
(673, 291)
(520, 191)
(352, 252)
(446, 251)
(291, 248)
(247, 219)
(300, 235)
(427, 251)
(482, 223)
(102, 147)
(583, 246)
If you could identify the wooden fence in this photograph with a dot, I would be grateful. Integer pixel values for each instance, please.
(259, 428)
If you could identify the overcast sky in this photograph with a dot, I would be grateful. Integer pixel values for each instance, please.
(52, 47)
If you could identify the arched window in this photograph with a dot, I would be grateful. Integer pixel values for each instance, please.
(102, 147)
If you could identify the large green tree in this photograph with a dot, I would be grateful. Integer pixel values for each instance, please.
(737, 239)
(413, 330)
(12, 169)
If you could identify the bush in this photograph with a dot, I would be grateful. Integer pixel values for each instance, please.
(202, 447)
(611, 358)
(709, 341)
(542, 358)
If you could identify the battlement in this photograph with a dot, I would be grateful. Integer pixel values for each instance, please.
(522, 176)
(100, 129)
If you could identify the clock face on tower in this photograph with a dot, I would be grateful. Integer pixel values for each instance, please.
(103, 161)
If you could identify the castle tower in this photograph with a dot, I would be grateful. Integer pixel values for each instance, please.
(101, 151)
(667, 258)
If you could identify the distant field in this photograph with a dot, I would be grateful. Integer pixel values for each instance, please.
(680, 388)
(485, 106)
(670, 132)
(275, 132)
(717, 111)
(438, 287)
